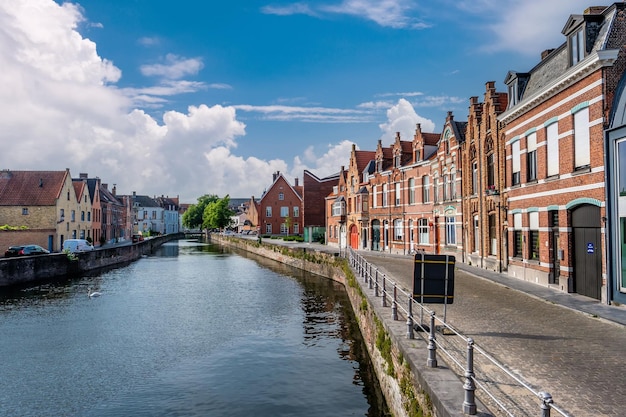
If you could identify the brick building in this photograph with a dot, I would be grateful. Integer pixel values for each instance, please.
(555, 155)
(314, 192)
(281, 208)
(484, 205)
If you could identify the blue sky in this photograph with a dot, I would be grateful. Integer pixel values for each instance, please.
(198, 97)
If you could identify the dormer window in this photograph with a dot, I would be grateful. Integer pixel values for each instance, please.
(379, 165)
(397, 161)
(577, 46)
(513, 93)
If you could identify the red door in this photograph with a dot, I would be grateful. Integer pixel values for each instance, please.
(354, 237)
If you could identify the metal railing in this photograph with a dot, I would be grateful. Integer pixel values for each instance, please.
(498, 386)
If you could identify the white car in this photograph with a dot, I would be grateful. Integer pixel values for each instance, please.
(77, 245)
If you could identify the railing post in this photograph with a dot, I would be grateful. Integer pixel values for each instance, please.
(432, 346)
(369, 284)
(546, 400)
(394, 304)
(367, 273)
(384, 291)
(409, 320)
(376, 285)
(469, 405)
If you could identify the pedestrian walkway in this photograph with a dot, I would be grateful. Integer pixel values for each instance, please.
(565, 344)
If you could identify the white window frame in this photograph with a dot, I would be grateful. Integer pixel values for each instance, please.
(284, 211)
(268, 211)
(552, 149)
(582, 146)
(423, 231)
(397, 229)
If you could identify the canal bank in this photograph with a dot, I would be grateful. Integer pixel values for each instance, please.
(409, 386)
(36, 269)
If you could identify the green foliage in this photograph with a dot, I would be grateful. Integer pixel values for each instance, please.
(7, 227)
(293, 238)
(192, 218)
(383, 343)
(217, 215)
(71, 256)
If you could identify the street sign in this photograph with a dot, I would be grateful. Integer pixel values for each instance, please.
(433, 278)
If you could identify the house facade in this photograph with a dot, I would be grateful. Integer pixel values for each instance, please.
(555, 155)
(314, 192)
(484, 202)
(281, 208)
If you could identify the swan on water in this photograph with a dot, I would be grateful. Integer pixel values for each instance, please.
(93, 294)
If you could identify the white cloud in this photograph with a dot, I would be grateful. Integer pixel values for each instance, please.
(336, 156)
(396, 14)
(175, 67)
(403, 118)
(308, 114)
(508, 23)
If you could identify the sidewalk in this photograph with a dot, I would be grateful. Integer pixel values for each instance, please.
(565, 344)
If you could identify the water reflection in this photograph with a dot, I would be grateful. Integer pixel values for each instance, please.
(193, 329)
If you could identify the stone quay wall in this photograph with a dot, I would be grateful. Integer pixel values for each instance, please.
(409, 389)
(35, 269)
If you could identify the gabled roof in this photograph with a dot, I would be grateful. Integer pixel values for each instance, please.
(431, 139)
(107, 196)
(80, 187)
(31, 188)
(144, 201)
(363, 158)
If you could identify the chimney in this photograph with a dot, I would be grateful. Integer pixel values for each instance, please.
(134, 193)
(545, 53)
(275, 175)
(594, 10)
(296, 180)
(105, 186)
(83, 176)
(114, 190)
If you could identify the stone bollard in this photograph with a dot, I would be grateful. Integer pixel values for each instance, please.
(469, 405)
(432, 346)
(409, 320)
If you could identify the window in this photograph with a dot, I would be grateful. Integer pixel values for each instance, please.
(397, 229)
(476, 234)
(423, 231)
(446, 187)
(268, 211)
(25, 211)
(397, 161)
(517, 235)
(552, 139)
(533, 235)
(531, 157)
(493, 248)
(513, 93)
(474, 177)
(284, 229)
(581, 139)
(296, 211)
(491, 171)
(68, 196)
(268, 228)
(88, 216)
(73, 216)
(411, 190)
(61, 215)
(374, 196)
(339, 207)
(284, 211)
(397, 193)
(453, 186)
(417, 155)
(436, 189)
(82, 216)
(577, 46)
(385, 192)
(515, 150)
(426, 189)
(450, 231)
(296, 228)
(281, 196)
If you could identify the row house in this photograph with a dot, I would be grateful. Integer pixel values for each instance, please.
(445, 170)
(555, 150)
(484, 204)
(337, 207)
(43, 208)
(170, 207)
(280, 207)
(94, 185)
(314, 192)
(115, 219)
(147, 215)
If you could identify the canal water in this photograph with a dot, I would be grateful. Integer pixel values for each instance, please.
(192, 330)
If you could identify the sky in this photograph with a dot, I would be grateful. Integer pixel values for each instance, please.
(212, 97)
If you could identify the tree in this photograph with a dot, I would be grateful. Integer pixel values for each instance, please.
(217, 214)
(193, 217)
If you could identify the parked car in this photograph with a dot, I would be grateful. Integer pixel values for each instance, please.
(77, 245)
(13, 251)
(137, 238)
(25, 250)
